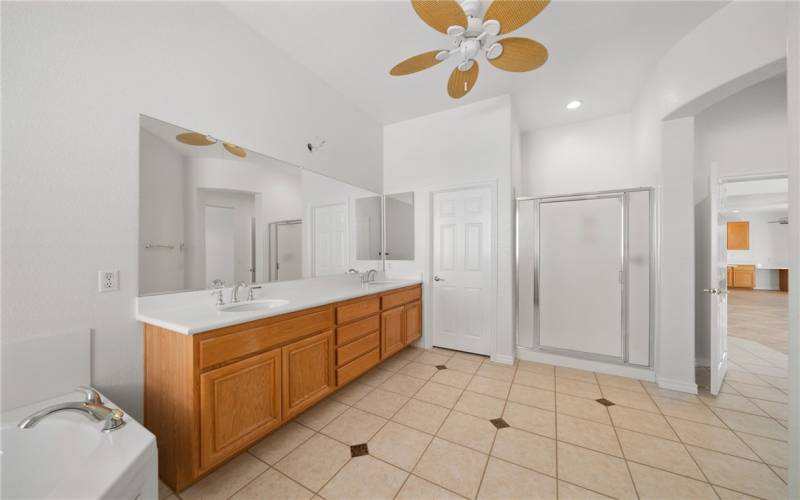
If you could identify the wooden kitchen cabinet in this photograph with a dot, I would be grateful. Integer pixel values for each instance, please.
(239, 402)
(743, 276)
(738, 235)
(392, 335)
(212, 395)
(308, 372)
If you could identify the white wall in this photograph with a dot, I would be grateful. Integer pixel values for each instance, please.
(745, 134)
(161, 179)
(75, 78)
(467, 145)
(593, 155)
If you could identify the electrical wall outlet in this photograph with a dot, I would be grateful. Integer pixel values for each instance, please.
(108, 281)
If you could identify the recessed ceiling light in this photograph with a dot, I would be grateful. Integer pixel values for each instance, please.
(574, 104)
(735, 211)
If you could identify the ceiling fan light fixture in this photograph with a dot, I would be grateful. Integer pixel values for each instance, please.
(466, 65)
(442, 55)
(574, 104)
(456, 30)
(494, 51)
(491, 27)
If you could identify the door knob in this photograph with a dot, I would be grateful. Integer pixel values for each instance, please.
(436, 278)
(712, 291)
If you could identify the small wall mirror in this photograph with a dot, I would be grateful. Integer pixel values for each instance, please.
(211, 211)
(369, 228)
(399, 209)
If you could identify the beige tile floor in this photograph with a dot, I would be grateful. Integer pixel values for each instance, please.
(760, 315)
(430, 435)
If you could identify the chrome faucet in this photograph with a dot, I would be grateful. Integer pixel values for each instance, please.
(369, 276)
(235, 291)
(92, 407)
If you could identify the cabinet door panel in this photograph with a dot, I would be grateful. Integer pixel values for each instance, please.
(308, 372)
(239, 403)
(392, 338)
(413, 322)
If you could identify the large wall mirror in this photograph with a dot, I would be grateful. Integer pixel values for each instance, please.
(399, 218)
(211, 211)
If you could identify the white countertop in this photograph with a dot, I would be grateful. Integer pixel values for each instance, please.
(194, 312)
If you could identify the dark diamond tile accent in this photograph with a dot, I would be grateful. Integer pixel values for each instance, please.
(441, 367)
(499, 423)
(358, 450)
(605, 402)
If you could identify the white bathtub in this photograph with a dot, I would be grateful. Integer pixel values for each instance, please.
(67, 456)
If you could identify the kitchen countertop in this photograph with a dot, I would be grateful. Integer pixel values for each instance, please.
(194, 312)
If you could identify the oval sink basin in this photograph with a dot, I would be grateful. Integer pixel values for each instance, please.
(254, 305)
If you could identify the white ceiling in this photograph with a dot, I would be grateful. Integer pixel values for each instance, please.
(600, 52)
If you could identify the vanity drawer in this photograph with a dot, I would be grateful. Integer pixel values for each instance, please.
(355, 349)
(356, 310)
(358, 366)
(221, 348)
(391, 300)
(345, 334)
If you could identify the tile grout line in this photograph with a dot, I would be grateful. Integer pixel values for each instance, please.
(685, 449)
(429, 443)
(619, 443)
(497, 431)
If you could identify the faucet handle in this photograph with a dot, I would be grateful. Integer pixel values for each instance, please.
(114, 420)
(217, 284)
(250, 295)
(92, 396)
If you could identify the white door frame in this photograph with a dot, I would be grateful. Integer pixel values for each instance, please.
(313, 232)
(428, 303)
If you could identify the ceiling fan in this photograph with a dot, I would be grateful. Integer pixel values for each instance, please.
(198, 139)
(471, 34)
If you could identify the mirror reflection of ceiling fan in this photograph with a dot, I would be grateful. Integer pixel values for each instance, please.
(472, 35)
(198, 139)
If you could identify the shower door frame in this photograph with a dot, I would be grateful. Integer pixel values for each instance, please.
(624, 195)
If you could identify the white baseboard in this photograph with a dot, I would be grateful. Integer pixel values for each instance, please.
(503, 358)
(637, 372)
(677, 385)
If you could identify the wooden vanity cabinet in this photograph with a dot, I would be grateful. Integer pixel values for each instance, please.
(308, 374)
(212, 395)
(413, 321)
(238, 403)
(392, 331)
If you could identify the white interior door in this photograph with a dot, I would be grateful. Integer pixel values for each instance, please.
(580, 275)
(288, 252)
(718, 282)
(464, 276)
(330, 239)
(220, 243)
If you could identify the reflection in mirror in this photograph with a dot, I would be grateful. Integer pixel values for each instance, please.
(368, 228)
(213, 211)
(399, 210)
(333, 232)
